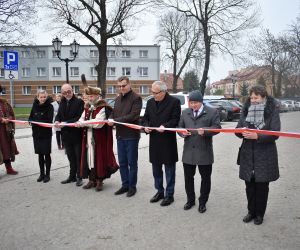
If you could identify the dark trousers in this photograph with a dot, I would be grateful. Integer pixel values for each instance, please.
(189, 173)
(257, 196)
(45, 159)
(59, 141)
(128, 160)
(73, 152)
(170, 171)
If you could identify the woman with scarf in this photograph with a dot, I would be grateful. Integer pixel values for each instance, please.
(258, 157)
(42, 111)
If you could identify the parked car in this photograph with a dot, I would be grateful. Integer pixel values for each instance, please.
(222, 111)
(297, 104)
(183, 98)
(233, 112)
(110, 101)
(291, 104)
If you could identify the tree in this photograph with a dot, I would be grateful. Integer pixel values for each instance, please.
(244, 89)
(190, 81)
(261, 81)
(98, 21)
(15, 18)
(219, 92)
(221, 22)
(181, 38)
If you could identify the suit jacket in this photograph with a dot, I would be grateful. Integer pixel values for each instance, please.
(163, 146)
(70, 113)
(198, 150)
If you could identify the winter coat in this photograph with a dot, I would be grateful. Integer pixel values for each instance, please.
(70, 113)
(258, 158)
(198, 150)
(163, 146)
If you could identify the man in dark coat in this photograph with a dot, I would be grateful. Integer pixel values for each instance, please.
(70, 110)
(198, 148)
(162, 111)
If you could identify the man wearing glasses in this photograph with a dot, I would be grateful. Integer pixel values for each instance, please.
(127, 109)
(162, 111)
(69, 111)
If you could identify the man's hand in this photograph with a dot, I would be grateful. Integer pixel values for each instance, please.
(147, 130)
(186, 133)
(201, 131)
(250, 135)
(110, 122)
(161, 130)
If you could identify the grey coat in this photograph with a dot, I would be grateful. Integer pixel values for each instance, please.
(259, 158)
(198, 150)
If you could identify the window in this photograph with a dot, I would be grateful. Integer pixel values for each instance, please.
(143, 71)
(41, 54)
(143, 53)
(1, 54)
(56, 89)
(111, 53)
(126, 71)
(3, 91)
(93, 71)
(111, 71)
(54, 55)
(76, 89)
(41, 88)
(126, 53)
(41, 71)
(26, 90)
(72, 55)
(94, 53)
(26, 72)
(74, 71)
(25, 54)
(144, 90)
(2, 73)
(111, 90)
(56, 71)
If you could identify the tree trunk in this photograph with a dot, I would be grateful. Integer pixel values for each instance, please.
(101, 67)
(174, 84)
(207, 44)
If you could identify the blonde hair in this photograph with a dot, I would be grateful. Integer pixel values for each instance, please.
(41, 91)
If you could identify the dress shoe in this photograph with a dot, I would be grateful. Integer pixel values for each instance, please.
(167, 201)
(157, 197)
(131, 192)
(122, 190)
(10, 170)
(249, 217)
(79, 182)
(46, 179)
(189, 205)
(202, 209)
(258, 220)
(99, 185)
(89, 185)
(69, 180)
(41, 178)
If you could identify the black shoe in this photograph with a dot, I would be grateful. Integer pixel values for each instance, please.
(258, 220)
(157, 197)
(69, 180)
(131, 192)
(79, 182)
(41, 178)
(189, 205)
(167, 201)
(202, 209)
(46, 178)
(249, 217)
(122, 190)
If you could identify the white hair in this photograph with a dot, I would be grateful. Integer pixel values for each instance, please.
(41, 91)
(162, 85)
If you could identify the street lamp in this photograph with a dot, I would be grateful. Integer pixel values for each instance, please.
(233, 79)
(57, 48)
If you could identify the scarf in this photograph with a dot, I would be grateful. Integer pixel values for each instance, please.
(255, 115)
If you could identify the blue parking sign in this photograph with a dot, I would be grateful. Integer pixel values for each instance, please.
(10, 60)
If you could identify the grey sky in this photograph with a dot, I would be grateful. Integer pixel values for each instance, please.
(276, 15)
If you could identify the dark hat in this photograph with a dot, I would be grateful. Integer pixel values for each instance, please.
(196, 96)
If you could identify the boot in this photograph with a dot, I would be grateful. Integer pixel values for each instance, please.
(10, 170)
(89, 185)
(41, 178)
(47, 176)
(42, 174)
(99, 185)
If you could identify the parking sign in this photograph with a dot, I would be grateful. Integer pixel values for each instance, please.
(10, 60)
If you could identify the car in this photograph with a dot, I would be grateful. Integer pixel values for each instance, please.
(110, 101)
(183, 98)
(221, 110)
(233, 112)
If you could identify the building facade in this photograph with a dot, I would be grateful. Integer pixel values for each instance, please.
(39, 68)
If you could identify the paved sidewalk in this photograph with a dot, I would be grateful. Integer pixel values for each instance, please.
(55, 216)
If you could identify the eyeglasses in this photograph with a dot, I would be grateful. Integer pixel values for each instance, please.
(122, 86)
(68, 92)
(155, 93)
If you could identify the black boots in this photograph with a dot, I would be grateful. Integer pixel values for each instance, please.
(44, 177)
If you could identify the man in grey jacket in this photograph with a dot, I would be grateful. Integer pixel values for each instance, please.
(198, 149)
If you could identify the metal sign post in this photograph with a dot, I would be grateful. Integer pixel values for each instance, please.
(11, 88)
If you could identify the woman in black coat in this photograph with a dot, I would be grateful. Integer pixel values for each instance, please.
(42, 111)
(258, 157)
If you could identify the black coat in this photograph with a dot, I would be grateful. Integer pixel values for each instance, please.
(70, 114)
(259, 157)
(41, 135)
(163, 146)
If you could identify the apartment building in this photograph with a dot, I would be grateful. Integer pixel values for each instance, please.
(39, 68)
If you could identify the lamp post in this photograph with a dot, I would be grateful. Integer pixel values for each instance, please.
(233, 79)
(57, 49)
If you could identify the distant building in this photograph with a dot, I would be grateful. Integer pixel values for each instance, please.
(168, 79)
(39, 68)
(248, 76)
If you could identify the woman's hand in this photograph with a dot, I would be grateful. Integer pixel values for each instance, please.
(250, 135)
